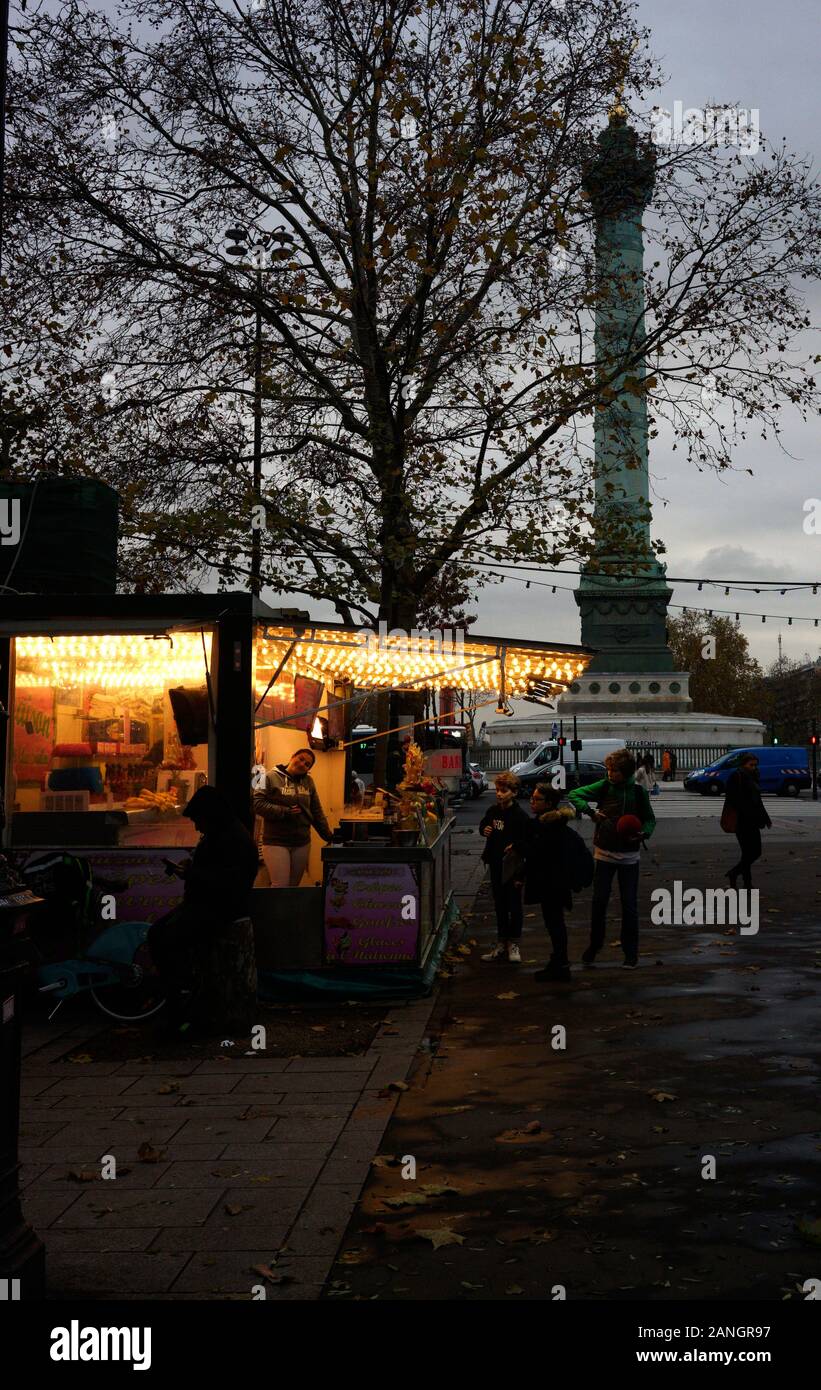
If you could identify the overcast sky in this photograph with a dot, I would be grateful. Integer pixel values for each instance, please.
(734, 526)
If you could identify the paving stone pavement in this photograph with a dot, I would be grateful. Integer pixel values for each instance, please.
(258, 1160)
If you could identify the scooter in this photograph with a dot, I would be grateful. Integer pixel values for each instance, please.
(112, 962)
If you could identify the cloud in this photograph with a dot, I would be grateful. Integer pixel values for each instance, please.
(734, 562)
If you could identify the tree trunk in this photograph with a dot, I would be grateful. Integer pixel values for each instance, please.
(227, 969)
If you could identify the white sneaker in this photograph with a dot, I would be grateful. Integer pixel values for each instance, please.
(514, 955)
(497, 952)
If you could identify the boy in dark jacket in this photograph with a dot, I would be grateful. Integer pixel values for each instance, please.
(505, 827)
(616, 853)
(545, 879)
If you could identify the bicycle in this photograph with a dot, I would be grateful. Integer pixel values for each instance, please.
(111, 962)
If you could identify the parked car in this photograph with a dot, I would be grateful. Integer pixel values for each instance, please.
(588, 772)
(478, 780)
(784, 771)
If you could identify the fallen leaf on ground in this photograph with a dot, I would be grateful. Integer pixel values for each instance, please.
(355, 1257)
(514, 1289)
(385, 1161)
(270, 1275)
(441, 1236)
(413, 1199)
(81, 1057)
(811, 1230)
(83, 1174)
(510, 994)
(438, 1189)
(661, 1096)
(234, 1210)
(146, 1153)
(168, 1087)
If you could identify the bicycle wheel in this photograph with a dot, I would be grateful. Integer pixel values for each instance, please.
(135, 998)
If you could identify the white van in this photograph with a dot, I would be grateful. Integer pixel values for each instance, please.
(593, 750)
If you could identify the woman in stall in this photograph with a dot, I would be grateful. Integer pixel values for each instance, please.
(290, 807)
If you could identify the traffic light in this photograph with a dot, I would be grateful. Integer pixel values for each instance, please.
(562, 742)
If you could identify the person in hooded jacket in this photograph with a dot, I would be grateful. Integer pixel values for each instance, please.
(217, 879)
(744, 797)
(545, 880)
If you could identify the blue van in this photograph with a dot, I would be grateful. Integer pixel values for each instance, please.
(782, 770)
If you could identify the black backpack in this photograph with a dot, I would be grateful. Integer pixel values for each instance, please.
(579, 861)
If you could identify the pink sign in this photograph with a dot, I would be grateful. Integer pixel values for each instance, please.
(150, 892)
(371, 914)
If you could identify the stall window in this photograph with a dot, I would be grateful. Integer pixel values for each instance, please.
(109, 723)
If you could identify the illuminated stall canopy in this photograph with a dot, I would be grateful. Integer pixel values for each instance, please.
(411, 661)
(112, 661)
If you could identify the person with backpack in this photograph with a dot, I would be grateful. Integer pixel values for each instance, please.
(623, 818)
(557, 862)
(505, 829)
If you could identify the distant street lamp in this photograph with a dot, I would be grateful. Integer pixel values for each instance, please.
(255, 247)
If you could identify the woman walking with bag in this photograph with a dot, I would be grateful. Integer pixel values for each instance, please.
(745, 815)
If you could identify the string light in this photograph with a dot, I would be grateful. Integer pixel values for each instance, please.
(111, 662)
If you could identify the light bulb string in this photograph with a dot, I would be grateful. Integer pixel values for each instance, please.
(684, 607)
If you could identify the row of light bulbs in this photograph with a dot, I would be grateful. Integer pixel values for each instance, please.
(110, 661)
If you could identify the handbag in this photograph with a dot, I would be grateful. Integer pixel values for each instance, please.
(729, 819)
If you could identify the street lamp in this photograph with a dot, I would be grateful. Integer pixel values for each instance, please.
(255, 247)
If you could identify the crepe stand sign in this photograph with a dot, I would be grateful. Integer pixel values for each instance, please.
(371, 914)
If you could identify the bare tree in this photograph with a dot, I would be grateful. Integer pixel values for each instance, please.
(425, 360)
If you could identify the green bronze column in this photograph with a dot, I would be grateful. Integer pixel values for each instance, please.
(623, 594)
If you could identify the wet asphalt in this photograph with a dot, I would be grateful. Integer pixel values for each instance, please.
(644, 1135)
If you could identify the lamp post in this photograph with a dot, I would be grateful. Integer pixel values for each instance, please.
(255, 247)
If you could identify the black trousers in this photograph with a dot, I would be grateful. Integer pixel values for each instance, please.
(172, 941)
(507, 900)
(553, 913)
(749, 840)
(628, 875)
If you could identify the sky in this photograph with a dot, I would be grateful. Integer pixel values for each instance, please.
(733, 526)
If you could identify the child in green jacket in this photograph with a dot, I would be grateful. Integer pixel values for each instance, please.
(616, 849)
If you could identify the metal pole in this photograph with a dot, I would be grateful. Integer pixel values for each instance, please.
(575, 747)
(256, 533)
(561, 745)
(815, 759)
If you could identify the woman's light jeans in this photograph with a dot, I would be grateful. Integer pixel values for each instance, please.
(286, 864)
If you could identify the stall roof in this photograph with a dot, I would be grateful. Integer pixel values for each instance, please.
(119, 613)
(387, 659)
(400, 660)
